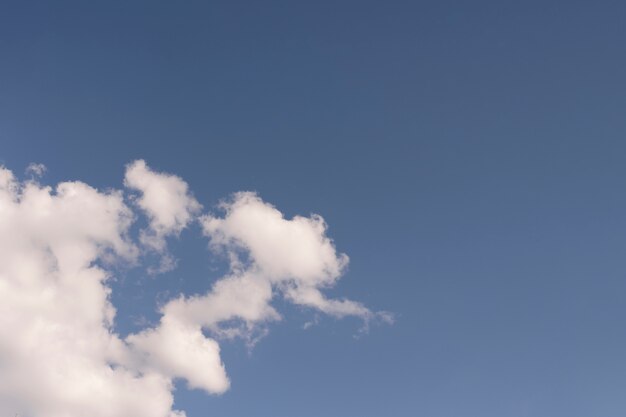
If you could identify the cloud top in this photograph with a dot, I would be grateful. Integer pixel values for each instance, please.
(168, 204)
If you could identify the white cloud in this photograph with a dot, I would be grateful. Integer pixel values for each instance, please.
(59, 353)
(282, 249)
(268, 254)
(294, 255)
(167, 202)
(180, 350)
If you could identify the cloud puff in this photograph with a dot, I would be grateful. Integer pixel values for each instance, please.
(268, 254)
(59, 353)
(180, 350)
(296, 249)
(36, 170)
(294, 255)
(168, 204)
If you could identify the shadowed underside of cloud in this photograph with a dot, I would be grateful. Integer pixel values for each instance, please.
(59, 354)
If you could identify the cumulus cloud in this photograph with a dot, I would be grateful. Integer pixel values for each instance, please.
(268, 254)
(168, 204)
(59, 353)
(294, 255)
(180, 350)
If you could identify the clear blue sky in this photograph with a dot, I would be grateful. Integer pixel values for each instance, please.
(469, 157)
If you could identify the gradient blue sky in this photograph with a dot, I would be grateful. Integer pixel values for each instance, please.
(469, 157)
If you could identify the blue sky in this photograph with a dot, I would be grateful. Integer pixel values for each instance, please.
(468, 157)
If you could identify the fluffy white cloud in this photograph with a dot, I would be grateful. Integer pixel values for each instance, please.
(294, 255)
(268, 254)
(59, 353)
(180, 350)
(282, 249)
(167, 202)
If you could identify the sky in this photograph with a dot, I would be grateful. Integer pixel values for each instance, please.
(339, 209)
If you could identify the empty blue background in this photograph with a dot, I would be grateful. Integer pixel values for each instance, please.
(469, 157)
